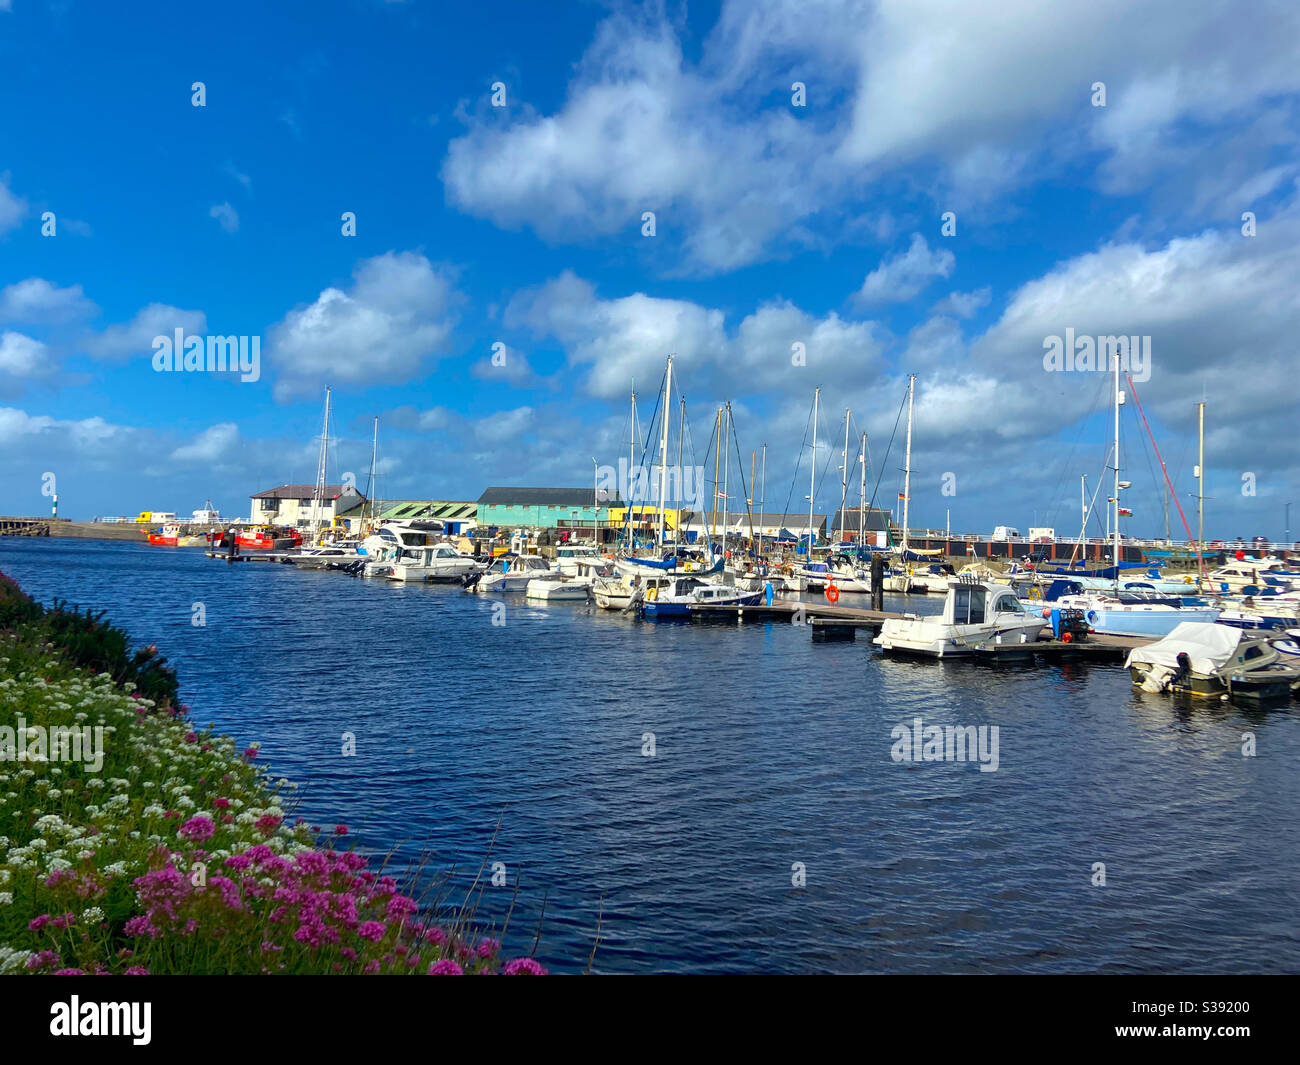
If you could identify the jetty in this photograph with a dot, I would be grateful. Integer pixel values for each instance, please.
(840, 623)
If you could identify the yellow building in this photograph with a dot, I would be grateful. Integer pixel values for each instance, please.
(647, 516)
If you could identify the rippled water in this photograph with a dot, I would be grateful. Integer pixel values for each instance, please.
(770, 750)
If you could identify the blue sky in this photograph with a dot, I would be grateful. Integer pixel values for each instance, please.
(776, 225)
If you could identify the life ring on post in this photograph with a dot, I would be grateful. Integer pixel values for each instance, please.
(1035, 593)
(832, 593)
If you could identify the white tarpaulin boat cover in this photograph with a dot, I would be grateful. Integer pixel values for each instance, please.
(1209, 647)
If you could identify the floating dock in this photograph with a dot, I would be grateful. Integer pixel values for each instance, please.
(839, 623)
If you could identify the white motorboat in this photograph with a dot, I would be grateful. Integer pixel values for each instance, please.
(1214, 660)
(620, 591)
(589, 571)
(441, 562)
(681, 593)
(1251, 574)
(548, 590)
(1133, 613)
(933, 578)
(512, 573)
(390, 542)
(569, 556)
(975, 614)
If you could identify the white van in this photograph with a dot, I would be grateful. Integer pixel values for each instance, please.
(1041, 535)
(1005, 534)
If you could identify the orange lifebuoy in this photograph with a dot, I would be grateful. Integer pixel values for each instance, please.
(832, 593)
(1067, 637)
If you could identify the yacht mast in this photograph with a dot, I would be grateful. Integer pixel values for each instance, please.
(726, 470)
(862, 493)
(663, 448)
(844, 472)
(1119, 398)
(679, 533)
(1200, 488)
(632, 472)
(812, 484)
(374, 455)
(318, 496)
(762, 504)
(907, 462)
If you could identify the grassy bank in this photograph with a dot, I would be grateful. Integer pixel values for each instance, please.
(133, 842)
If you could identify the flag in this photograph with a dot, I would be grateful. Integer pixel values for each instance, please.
(1124, 512)
(901, 495)
(722, 494)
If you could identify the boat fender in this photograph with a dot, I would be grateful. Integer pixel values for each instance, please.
(1091, 616)
(1067, 637)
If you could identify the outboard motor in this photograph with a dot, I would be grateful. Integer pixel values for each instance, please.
(1184, 668)
(470, 580)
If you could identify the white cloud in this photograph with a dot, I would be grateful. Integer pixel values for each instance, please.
(968, 102)
(399, 313)
(214, 445)
(964, 304)
(136, 337)
(226, 216)
(903, 277)
(628, 337)
(12, 208)
(21, 356)
(38, 300)
(231, 171)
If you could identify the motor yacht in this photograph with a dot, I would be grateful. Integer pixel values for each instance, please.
(975, 614)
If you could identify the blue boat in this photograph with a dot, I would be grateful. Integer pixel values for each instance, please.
(674, 601)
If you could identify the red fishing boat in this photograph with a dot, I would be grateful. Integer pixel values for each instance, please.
(175, 535)
(268, 538)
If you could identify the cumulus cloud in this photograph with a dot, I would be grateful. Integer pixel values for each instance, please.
(136, 337)
(978, 100)
(398, 314)
(903, 277)
(214, 445)
(12, 208)
(36, 300)
(964, 304)
(21, 356)
(626, 338)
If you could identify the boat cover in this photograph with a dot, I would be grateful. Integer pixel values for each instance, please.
(1209, 647)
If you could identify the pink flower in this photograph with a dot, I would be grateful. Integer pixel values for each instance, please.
(136, 970)
(446, 967)
(221, 804)
(340, 830)
(197, 829)
(372, 930)
(524, 967)
(39, 923)
(487, 948)
(70, 972)
(268, 823)
(250, 753)
(191, 737)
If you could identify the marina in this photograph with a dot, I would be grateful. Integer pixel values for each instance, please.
(755, 768)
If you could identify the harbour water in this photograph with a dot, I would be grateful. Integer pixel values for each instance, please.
(771, 752)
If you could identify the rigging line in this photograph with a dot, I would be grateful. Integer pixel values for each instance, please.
(627, 509)
(1068, 463)
(897, 418)
(1200, 560)
(749, 509)
(798, 462)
